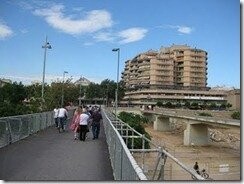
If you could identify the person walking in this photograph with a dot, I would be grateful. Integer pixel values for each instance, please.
(74, 126)
(196, 168)
(62, 115)
(96, 118)
(84, 118)
(55, 116)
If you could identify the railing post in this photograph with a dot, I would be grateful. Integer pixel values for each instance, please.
(143, 152)
(126, 140)
(121, 163)
(114, 153)
(132, 141)
(163, 160)
(157, 162)
(121, 128)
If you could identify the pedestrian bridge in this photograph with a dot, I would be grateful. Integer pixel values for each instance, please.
(31, 149)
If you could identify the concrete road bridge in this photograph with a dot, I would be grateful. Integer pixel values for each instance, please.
(196, 132)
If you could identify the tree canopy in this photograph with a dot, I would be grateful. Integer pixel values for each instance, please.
(16, 99)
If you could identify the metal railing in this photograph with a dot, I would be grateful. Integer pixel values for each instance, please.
(123, 164)
(135, 157)
(15, 128)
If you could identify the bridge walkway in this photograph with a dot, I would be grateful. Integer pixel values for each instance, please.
(52, 156)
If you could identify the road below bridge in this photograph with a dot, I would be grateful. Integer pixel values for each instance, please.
(52, 156)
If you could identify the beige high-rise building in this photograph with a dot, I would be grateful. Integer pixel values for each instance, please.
(176, 74)
(175, 67)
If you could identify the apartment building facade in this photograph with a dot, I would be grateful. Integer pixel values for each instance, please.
(177, 74)
(175, 67)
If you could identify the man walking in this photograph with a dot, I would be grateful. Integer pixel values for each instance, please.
(196, 168)
(96, 118)
(56, 115)
(62, 116)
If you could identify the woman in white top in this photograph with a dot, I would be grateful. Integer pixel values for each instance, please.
(56, 116)
(84, 117)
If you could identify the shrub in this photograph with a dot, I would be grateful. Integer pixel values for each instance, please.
(159, 104)
(169, 105)
(236, 115)
(194, 105)
(135, 121)
(187, 104)
(204, 114)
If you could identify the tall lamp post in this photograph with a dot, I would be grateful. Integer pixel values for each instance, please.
(62, 102)
(117, 88)
(46, 46)
(80, 96)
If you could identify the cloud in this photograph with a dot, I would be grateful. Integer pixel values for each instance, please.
(32, 78)
(49, 78)
(88, 43)
(25, 5)
(5, 31)
(132, 35)
(182, 29)
(104, 36)
(93, 21)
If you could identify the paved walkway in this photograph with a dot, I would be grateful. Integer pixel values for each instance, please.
(53, 156)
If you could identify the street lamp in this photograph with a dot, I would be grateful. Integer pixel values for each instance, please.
(46, 46)
(62, 103)
(80, 96)
(117, 89)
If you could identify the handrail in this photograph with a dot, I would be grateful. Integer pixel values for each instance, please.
(15, 128)
(158, 149)
(139, 173)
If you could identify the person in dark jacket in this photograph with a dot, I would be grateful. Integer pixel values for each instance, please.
(196, 168)
(96, 119)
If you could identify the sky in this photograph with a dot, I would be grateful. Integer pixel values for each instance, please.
(83, 33)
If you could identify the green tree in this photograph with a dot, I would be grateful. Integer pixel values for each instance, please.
(12, 100)
(53, 95)
(108, 88)
(159, 104)
(178, 105)
(228, 105)
(135, 121)
(187, 104)
(213, 105)
(194, 105)
(93, 91)
(18, 99)
(204, 105)
(223, 106)
(169, 105)
(14, 93)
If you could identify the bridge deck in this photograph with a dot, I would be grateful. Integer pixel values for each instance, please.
(49, 155)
